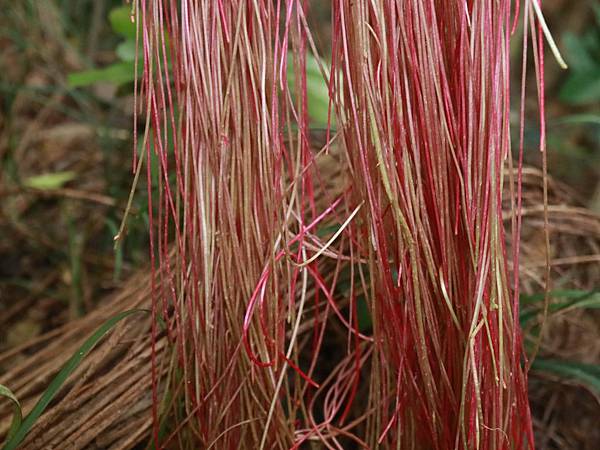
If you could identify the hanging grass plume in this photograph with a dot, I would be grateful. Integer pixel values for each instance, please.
(234, 199)
(259, 269)
(423, 98)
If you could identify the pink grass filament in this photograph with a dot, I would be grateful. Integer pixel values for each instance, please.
(425, 87)
(421, 94)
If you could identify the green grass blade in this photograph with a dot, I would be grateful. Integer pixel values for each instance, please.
(62, 376)
(572, 300)
(587, 375)
(567, 293)
(578, 119)
(17, 414)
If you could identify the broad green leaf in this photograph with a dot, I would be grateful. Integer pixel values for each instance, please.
(580, 59)
(126, 50)
(317, 90)
(120, 21)
(17, 414)
(591, 40)
(587, 375)
(119, 73)
(59, 380)
(49, 181)
(582, 87)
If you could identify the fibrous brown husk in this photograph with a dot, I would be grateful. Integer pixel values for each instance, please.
(107, 402)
